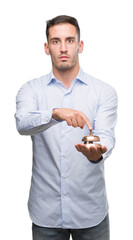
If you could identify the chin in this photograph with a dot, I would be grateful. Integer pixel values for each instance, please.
(65, 67)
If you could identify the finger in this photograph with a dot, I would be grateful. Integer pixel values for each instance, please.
(82, 147)
(69, 122)
(80, 122)
(77, 147)
(93, 149)
(87, 121)
(74, 122)
(104, 149)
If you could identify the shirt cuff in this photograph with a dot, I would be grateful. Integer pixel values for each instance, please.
(97, 161)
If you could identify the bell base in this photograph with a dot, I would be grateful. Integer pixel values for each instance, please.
(93, 144)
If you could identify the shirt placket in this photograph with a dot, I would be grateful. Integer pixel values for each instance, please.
(65, 166)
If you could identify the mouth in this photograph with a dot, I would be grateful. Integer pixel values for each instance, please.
(64, 57)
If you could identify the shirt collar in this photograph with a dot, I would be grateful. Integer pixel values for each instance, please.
(81, 77)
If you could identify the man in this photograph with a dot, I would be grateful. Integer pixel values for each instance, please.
(67, 194)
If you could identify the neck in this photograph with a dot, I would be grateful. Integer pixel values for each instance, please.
(66, 76)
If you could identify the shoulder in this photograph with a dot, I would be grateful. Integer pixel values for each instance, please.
(43, 80)
(103, 92)
(36, 83)
(99, 85)
(33, 86)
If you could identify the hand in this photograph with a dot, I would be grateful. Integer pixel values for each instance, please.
(72, 117)
(93, 153)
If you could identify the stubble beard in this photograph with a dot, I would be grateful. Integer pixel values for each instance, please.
(64, 66)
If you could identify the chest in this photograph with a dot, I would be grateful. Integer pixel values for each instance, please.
(81, 97)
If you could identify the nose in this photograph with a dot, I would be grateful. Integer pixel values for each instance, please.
(63, 47)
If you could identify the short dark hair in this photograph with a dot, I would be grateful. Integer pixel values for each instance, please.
(62, 19)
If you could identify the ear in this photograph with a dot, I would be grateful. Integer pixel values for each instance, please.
(46, 48)
(81, 46)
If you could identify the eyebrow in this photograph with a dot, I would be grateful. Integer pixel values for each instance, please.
(56, 38)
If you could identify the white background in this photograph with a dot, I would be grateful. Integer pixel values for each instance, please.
(106, 28)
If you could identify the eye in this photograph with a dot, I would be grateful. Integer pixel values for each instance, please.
(55, 42)
(70, 41)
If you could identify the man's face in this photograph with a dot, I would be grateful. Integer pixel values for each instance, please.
(63, 46)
